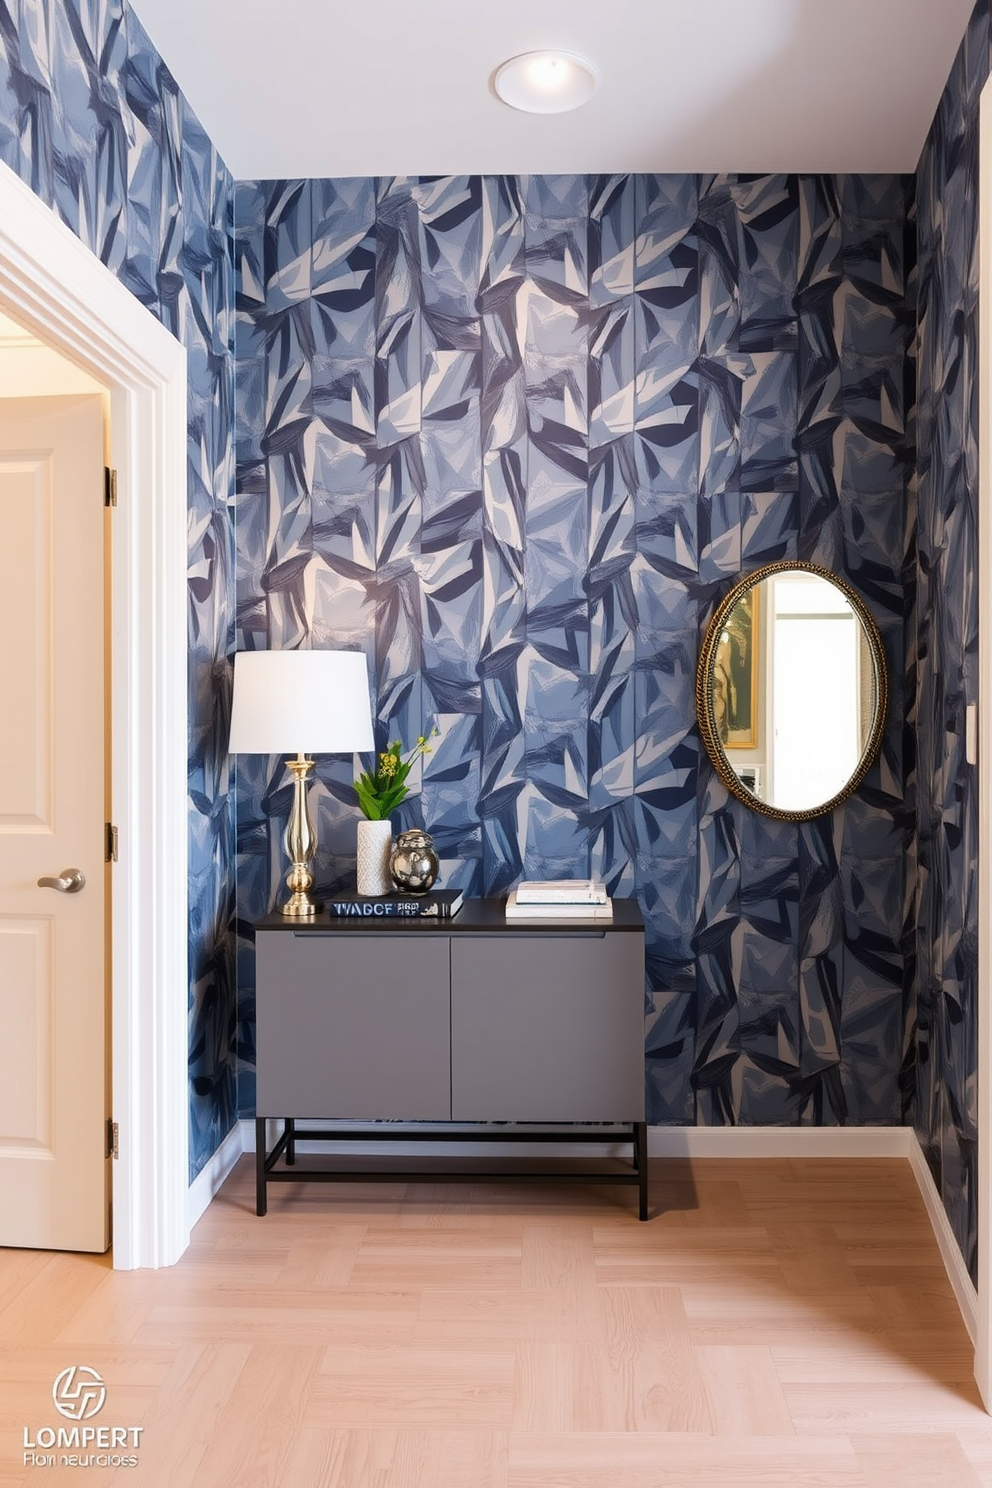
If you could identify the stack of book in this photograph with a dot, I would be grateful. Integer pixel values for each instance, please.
(559, 899)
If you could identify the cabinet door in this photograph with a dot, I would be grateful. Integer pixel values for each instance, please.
(353, 1026)
(547, 1027)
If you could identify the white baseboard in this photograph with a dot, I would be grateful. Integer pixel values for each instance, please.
(663, 1141)
(954, 1264)
(779, 1141)
(217, 1167)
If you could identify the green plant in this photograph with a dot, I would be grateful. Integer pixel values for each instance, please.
(380, 793)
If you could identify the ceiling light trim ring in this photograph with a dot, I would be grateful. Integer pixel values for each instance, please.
(546, 82)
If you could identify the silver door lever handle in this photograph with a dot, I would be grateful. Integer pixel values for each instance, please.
(69, 881)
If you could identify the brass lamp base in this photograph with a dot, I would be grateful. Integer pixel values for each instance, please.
(301, 846)
(301, 904)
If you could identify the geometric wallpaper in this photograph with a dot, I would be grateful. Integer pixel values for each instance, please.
(93, 122)
(946, 1110)
(514, 437)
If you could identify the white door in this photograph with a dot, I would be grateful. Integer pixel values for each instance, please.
(54, 1176)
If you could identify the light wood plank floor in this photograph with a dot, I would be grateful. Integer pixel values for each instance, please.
(778, 1324)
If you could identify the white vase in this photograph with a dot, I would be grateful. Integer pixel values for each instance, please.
(374, 845)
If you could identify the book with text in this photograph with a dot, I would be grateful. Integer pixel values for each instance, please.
(438, 904)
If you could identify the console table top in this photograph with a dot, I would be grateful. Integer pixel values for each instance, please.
(478, 916)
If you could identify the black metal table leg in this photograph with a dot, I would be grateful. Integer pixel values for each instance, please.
(261, 1196)
(641, 1151)
(290, 1140)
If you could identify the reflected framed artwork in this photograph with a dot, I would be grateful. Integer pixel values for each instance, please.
(735, 675)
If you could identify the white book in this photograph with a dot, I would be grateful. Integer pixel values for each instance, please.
(561, 891)
(551, 911)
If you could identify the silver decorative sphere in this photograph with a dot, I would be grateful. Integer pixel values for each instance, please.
(413, 863)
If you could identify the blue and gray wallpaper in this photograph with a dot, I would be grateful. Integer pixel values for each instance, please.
(514, 437)
(92, 120)
(946, 1113)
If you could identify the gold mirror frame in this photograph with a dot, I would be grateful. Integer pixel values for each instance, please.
(708, 727)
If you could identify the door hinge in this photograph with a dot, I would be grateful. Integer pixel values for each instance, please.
(109, 486)
(110, 850)
(113, 1135)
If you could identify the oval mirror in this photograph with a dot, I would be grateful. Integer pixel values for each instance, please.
(791, 690)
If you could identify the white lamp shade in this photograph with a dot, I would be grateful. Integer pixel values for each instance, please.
(300, 702)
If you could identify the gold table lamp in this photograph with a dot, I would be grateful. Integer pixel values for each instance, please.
(301, 703)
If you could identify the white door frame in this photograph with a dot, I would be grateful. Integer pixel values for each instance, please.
(983, 1341)
(61, 291)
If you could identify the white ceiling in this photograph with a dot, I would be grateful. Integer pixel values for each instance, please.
(404, 87)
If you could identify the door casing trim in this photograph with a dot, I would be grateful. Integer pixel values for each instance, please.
(983, 1342)
(50, 281)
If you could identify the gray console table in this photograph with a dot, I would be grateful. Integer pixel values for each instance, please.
(478, 1019)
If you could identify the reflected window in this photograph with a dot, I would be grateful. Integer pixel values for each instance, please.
(815, 692)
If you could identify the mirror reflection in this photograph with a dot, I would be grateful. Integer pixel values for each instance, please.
(791, 690)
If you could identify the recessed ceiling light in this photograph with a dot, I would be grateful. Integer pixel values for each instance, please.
(546, 82)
